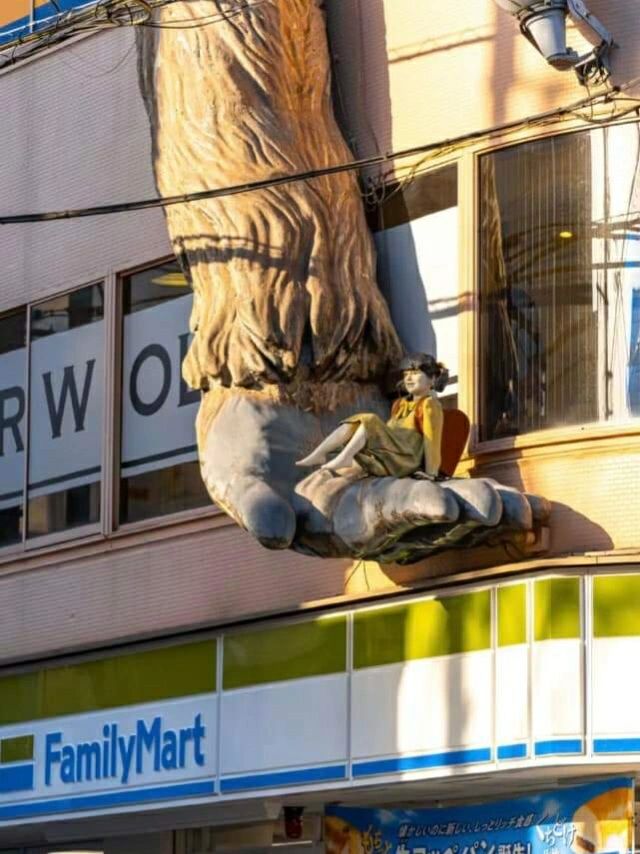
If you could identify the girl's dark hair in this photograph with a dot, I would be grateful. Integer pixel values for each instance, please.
(428, 365)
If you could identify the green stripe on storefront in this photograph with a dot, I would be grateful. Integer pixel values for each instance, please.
(616, 606)
(18, 749)
(311, 648)
(441, 626)
(512, 614)
(127, 680)
(557, 609)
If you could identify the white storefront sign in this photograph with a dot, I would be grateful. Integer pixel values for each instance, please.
(159, 410)
(65, 424)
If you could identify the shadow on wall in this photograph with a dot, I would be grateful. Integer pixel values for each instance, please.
(400, 280)
(502, 66)
(362, 99)
(360, 65)
(571, 531)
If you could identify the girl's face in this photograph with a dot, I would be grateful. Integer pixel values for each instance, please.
(417, 383)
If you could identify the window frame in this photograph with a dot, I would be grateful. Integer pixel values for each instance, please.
(81, 531)
(108, 526)
(470, 194)
(116, 422)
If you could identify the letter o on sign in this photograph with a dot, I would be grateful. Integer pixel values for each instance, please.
(151, 351)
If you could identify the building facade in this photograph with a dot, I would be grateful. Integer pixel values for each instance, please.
(165, 683)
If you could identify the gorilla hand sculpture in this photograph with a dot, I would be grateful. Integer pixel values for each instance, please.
(290, 332)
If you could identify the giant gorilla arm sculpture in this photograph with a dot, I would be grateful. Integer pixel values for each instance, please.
(290, 330)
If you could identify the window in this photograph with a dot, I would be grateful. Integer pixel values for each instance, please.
(416, 234)
(60, 398)
(560, 282)
(66, 394)
(159, 469)
(55, 357)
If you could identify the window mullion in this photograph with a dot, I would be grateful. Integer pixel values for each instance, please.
(27, 429)
(110, 431)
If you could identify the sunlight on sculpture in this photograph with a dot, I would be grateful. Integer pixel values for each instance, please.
(291, 335)
(410, 439)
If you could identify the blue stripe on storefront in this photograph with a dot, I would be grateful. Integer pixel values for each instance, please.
(417, 763)
(284, 778)
(13, 29)
(558, 746)
(16, 778)
(48, 10)
(105, 800)
(616, 745)
(513, 751)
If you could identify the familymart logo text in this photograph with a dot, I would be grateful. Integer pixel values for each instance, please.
(151, 746)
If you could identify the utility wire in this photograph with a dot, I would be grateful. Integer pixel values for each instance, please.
(95, 14)
(103, 14)
(308, 175)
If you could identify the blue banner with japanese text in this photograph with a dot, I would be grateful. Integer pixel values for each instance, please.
(592, 819)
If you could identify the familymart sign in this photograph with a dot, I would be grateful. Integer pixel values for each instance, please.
(102, 760)
(120, 756)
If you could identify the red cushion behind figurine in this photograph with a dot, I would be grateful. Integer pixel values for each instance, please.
(455, 432)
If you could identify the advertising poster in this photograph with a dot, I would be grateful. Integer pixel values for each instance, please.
(592, 819)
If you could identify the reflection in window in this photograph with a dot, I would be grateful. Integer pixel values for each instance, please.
(559, 266)
(159, 469)
(66, 391)
(13, 380)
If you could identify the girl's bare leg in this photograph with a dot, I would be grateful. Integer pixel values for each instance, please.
(346, 457)
(335, 440)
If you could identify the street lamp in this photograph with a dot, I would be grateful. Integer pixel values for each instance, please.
(543, 22)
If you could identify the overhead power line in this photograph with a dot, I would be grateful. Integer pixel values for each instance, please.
(377, 159)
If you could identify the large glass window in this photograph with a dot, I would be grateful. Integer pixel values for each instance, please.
(159, 469)
(560, 282)
(54, 359)
(416, 234)
(60, 397)
(66, 393)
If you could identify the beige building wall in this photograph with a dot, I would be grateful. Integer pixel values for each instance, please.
(75, 134)
(412, 73)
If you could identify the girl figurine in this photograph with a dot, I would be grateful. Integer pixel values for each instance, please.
(410, 440)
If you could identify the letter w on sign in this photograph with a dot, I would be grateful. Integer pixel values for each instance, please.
(68, 388)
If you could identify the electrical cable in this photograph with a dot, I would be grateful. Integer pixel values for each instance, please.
(103, 14)
(310, 174)
(190, 24)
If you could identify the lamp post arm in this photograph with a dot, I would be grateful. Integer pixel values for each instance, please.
(589, 26)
